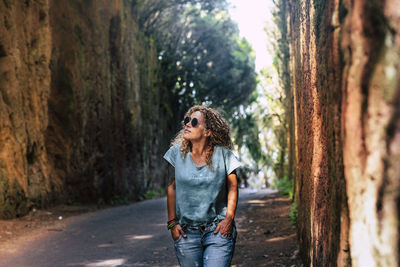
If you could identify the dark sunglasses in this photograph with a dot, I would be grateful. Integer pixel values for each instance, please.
(195, 121)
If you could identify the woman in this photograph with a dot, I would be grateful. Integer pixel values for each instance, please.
(202, 191)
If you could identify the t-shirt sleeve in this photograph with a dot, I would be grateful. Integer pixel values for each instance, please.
(171, 154)
(231, 162)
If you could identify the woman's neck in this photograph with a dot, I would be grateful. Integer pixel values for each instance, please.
(198, 148)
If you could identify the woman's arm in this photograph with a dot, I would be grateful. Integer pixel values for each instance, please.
(176, 231)
(171, 193)
(232, 195)
(225, 226)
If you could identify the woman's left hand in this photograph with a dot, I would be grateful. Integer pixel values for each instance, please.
(225, 227)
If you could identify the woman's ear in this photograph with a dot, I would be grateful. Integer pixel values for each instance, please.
(208, 132)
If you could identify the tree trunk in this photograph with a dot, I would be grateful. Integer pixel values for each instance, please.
(345, 82)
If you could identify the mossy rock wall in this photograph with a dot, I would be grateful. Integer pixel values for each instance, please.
(82, 108)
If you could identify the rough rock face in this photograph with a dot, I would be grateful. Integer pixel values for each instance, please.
(81, 114)
(345, 59)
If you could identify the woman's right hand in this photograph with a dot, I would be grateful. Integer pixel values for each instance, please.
(176, 232)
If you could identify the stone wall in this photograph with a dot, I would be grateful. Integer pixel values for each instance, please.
(81, 114)
(346, 96)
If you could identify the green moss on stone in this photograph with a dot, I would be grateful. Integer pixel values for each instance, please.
(13, 202)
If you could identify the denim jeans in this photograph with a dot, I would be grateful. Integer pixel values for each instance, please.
(202, 247)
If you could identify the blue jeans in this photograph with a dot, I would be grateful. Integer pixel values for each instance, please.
(204, 248)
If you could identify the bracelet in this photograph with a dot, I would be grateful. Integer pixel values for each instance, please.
(173, 219)
(172, 224)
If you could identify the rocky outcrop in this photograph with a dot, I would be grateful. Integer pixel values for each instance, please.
(82, 111)
(25, 53)
(344, 61)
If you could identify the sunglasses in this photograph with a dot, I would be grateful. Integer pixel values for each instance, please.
(195, 121)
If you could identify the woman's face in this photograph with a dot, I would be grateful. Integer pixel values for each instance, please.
(197, 132)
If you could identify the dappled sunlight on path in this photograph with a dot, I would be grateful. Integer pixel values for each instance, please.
(119, 237)
(266, 236)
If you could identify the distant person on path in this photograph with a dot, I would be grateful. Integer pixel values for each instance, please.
(203, 190)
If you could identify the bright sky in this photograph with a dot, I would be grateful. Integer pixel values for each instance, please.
(252, 16)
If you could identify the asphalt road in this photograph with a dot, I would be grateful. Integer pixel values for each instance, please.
(132, 235)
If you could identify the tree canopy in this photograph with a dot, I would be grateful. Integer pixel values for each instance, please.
(202, 57)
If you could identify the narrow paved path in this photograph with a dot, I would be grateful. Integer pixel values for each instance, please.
(133, 235)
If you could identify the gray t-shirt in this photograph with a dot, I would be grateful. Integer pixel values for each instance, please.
(201, 195)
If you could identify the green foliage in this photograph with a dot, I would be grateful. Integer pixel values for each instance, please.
(151, 193)
(293, 213)
(203, 61)
(72, 202)
(245, 130)
(119, 200)
(161, 17)
(269, 112)
(202, 58)
(101, 202)
(284, 186)
(271, 108)
(211, 64)
(281, 44)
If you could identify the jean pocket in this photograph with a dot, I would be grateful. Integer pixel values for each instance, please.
(228, 237)
(231, 236)
(179, 238)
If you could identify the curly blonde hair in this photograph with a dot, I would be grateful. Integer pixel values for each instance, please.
(220, 132)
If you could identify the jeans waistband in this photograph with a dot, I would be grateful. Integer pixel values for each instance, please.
(204, 228)
(207, 227)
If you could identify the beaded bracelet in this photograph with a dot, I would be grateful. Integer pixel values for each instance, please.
(172, 224)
